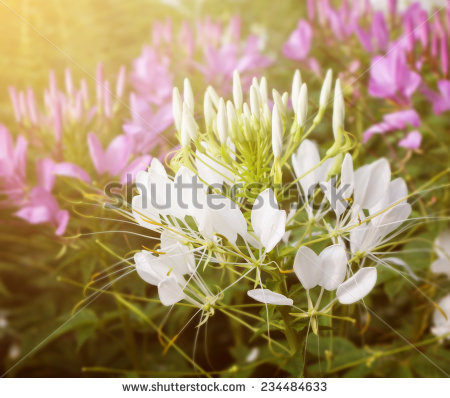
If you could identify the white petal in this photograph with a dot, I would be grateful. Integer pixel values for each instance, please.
(212, 172)
(371, 183)
(275, 229)
(157, 168)
(347, 176)
(307, 267)
(267, 221)
(442, 244)
(345, 189)
(189, 191)
(144, 213)
(170, 291)
(441, 324)
(334, 266)
(359, 238)
(441, 266)
(141, 181)
(305, 159)
(268, 297)
(358, 286)
(221, 216)
(150, 268)
(389, 221)
(177, 255)
(397, 191)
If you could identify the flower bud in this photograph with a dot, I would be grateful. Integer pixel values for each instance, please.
(209, 112)
(222, 122)
(237, 90)
(254, 101)
(189, 128)
(188, 95)
(263, 91)
(285, 99)
(338, 109)
(213, 95)
(232, 120)
(279, 102)
(302, 105)
(277, 132)
(326, 89)
(177, 108)
(296, 83)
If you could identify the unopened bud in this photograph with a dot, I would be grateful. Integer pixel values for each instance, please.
(277, 132)
(188, 95)
(326, 89)
(189, 128)
(177, 108)
(296, 83)
(237, 90)
(338, 109)
(302, 105)
(222, 122)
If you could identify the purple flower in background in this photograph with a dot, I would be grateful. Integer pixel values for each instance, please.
(42, 208)
(377, 38)
(207, 46)
(441, 100)
(63, 108)
(146, 124)
(220, 62)
(393, 121)
(13, 161)
(390, 77)
(411, 141)
(151, 76)
(298, 45)
(115, 160)
(47, 170)
(442, 103)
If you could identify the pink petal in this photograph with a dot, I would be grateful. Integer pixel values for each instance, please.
(62, 220)
(46, 175)
(97, 153)
(71, 170)
(139, 164)
(411, 141)
(117, 154)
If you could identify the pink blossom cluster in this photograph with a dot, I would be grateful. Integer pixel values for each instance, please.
(43, 144)
(403, 46)
(205, 48)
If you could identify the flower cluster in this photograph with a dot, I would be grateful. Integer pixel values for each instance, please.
(55, 139)
(236, 176)
(406, 47)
